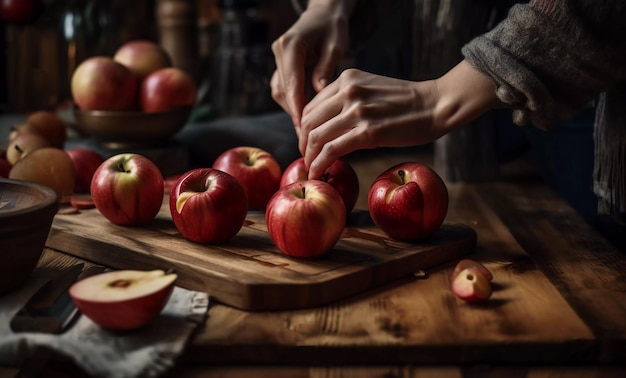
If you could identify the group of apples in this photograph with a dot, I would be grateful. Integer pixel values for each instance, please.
(138, 77)
(35, 152)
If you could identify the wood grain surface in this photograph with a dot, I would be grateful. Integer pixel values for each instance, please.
(248, 271)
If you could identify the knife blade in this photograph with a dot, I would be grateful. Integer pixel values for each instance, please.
(51, 309)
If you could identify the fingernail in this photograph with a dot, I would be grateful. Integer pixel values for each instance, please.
(323, 82)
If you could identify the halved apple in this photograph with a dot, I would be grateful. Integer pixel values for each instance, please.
(474, 266)
(471, 286)
(123, 299)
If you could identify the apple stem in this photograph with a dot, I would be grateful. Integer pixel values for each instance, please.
(120, 283)
(324, 177)
(303, 189)
(402, 175)
(19, 149)
(120, 167)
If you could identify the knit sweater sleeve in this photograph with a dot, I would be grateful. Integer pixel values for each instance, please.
(551, 57)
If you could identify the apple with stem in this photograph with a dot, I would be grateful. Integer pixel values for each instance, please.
(256, 170)
(208, 205)
(124, 299)
(340, 175)
(142, 57)
(23, 144)
(127, 189)
(471, 286)
(86, 162)
(100, 83)
(166, 89)
(48, 166)
(305, 219)
(408, 201)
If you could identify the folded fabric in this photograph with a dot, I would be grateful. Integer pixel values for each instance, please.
(146, 352)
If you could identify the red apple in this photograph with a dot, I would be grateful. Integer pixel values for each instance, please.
(127, 189)
(23, 144)
(5, 167)
(165, 89)
(142, 57)
(340, 175)
(100, 83)
(408, 201)
(208, 205)
(256, 170)
(306, 219)
(19, 11)
(123, 299)
(48, 166)
(86, 162)
(474, 266)
(471, 286)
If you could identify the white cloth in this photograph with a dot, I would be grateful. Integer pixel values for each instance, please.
(147, 352)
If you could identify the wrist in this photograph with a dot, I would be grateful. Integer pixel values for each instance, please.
(464, 94)
(345, 7)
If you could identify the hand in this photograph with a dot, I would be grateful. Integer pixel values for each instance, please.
(318, 39)
(361, 110)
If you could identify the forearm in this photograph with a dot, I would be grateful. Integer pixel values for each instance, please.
(344, 7)
(463, 94)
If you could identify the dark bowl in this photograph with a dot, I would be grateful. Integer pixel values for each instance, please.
(122, 129)
(26, 213)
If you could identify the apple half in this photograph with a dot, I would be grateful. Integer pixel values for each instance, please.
(123, 299)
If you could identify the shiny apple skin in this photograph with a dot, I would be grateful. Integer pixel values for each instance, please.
(128, 189)
(256, 170)
(408, 201)
(100, 83)
(86, 162)
(166, 89)
(208, 205)
(305, 219)
(340, 175)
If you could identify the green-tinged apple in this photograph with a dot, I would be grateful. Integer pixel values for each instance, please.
(86, 162)
(5, 167)
(471, 286)
(142, 57)
(305, 219)
(208, 205)
(123, 300)
(48, 166)
(100, 83)
(340, 175)
(474, 266)
(409, 201)
(23, 144)
(44, 123)
(166, 89)
(256, 170)
(127, 189)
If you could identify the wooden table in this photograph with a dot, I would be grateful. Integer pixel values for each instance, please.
(559, 306)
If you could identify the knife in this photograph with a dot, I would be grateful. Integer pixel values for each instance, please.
(51, 309)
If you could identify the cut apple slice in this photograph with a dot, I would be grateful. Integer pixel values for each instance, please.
(123, 299)
(471, 286)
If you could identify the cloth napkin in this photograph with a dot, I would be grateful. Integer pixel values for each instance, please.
(147, 352)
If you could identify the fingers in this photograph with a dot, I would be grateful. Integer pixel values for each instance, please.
(336, 148)
(325, 68)
(289, 83)
(278, 94)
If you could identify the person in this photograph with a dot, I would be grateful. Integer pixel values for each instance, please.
(545, 61)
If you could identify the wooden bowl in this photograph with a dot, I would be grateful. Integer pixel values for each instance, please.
(124, 129)
(26, 213)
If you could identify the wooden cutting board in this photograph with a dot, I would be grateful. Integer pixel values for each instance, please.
(248, 271)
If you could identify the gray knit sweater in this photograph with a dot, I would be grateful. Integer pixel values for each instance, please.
(551, 57)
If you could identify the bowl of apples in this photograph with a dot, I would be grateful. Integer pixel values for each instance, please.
(26, 213)
(135, 98)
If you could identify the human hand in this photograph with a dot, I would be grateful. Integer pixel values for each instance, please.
(318, 39)
(361, 110)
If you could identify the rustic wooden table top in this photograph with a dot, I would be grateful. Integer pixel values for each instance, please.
(558, 304)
